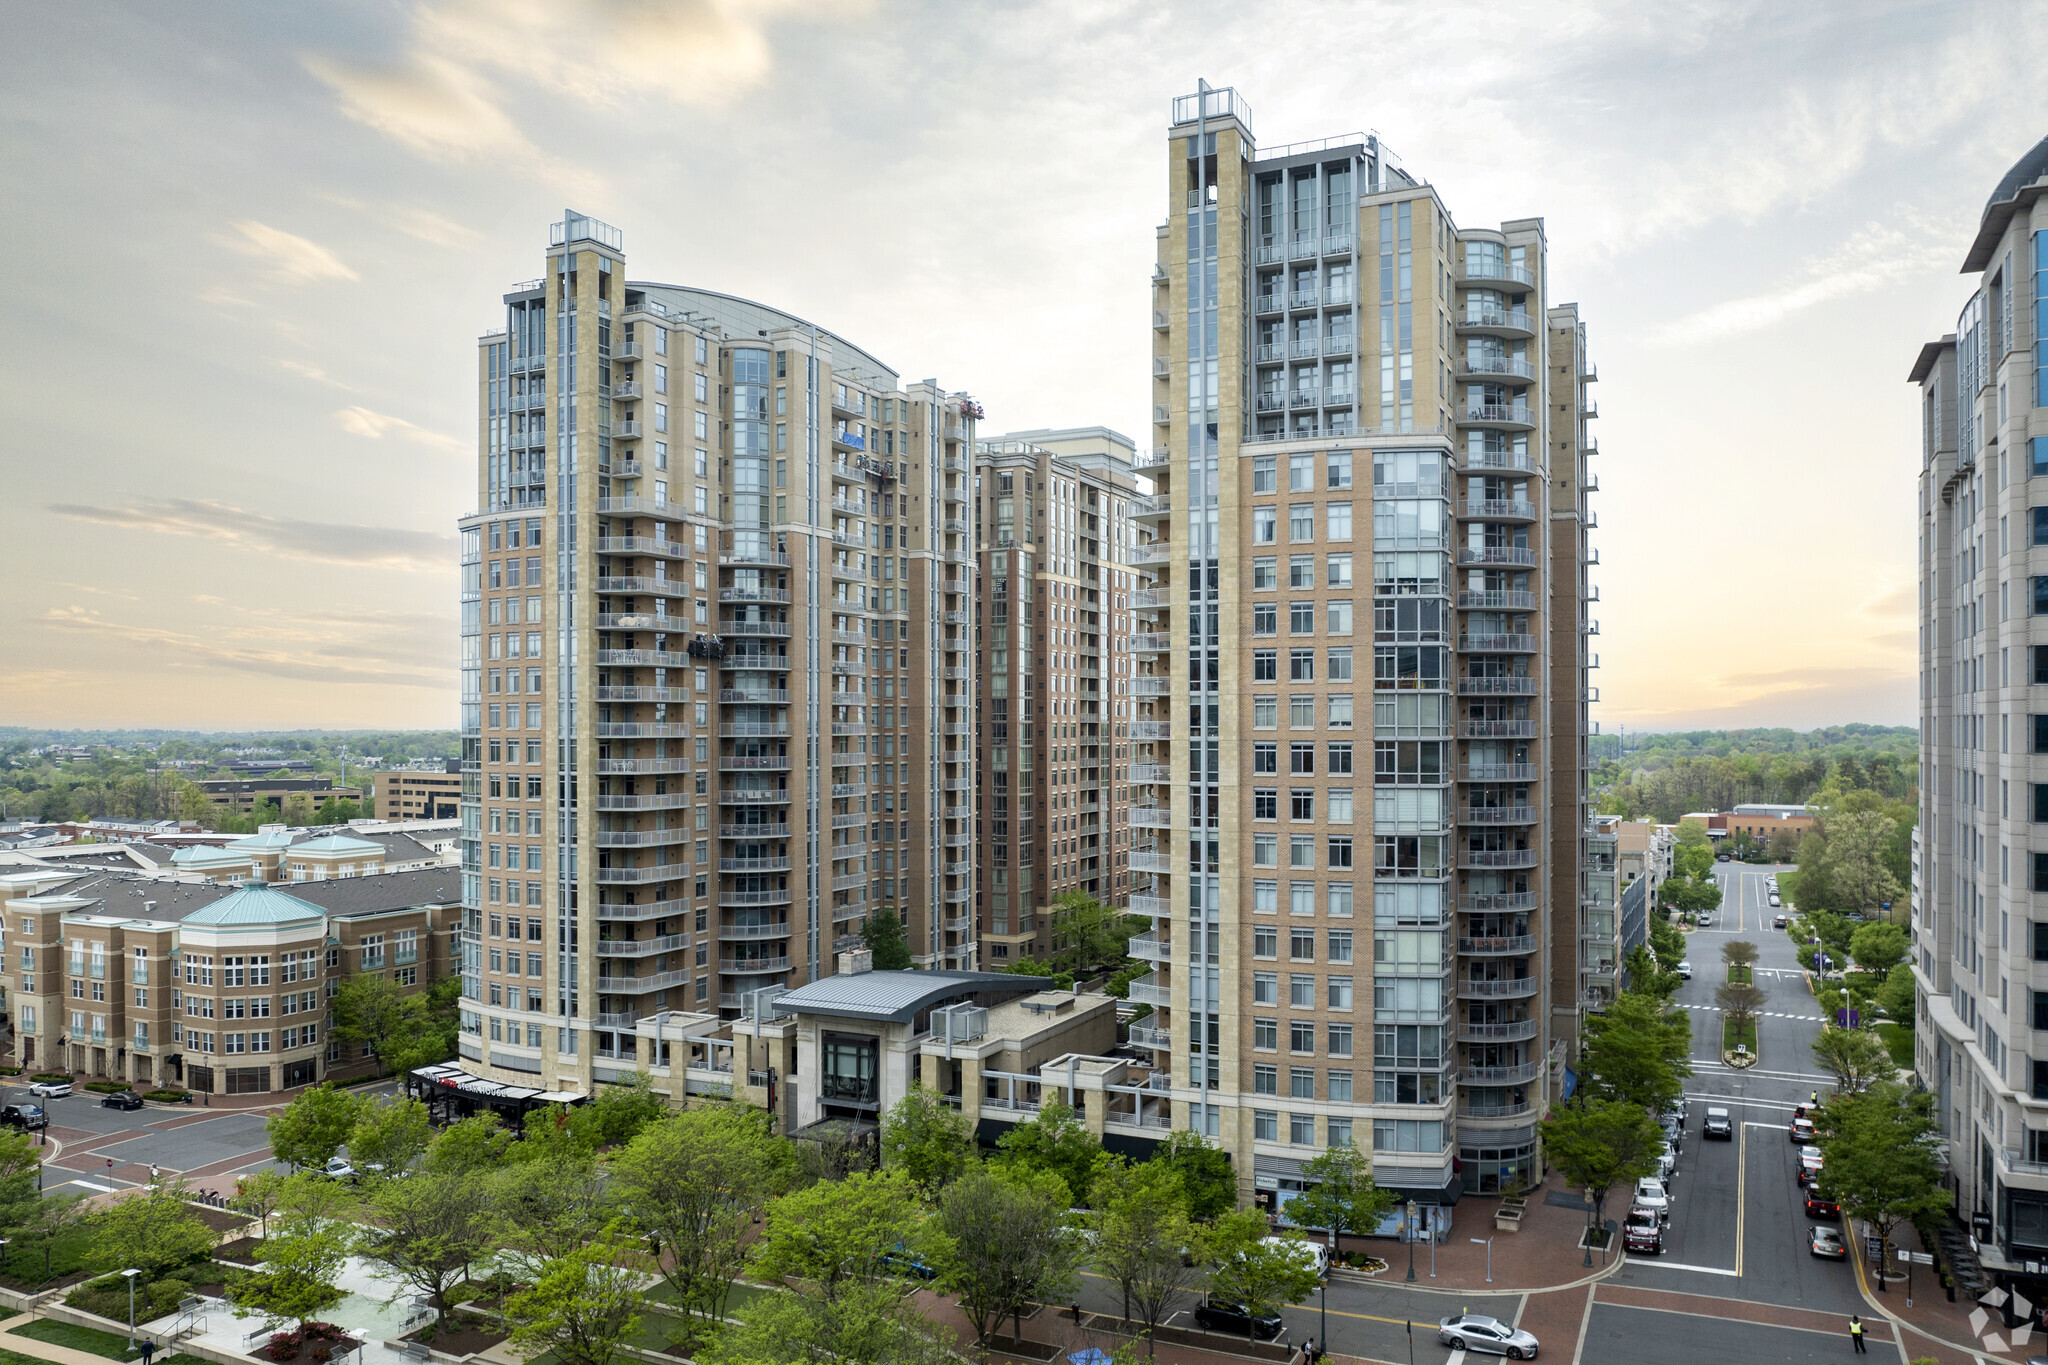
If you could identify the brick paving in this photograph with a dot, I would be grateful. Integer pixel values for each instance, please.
(1557, 1317)
(1544, 1253)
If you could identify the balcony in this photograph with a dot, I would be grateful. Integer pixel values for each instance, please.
(1142, 1036)
(1338, 343)
(1151, 772)
(1271, 303)
(1152, 729)
(634, 985)
(1485, 272)
(1510, 988)
(1498, 815)
(1498, 729)
(643, 658)
(1499, 772)
(753, 964)
(1510, 944)
(1337, 244)
(743, 729)
(627, 389)
(743, 933)
(1511, 1032)
(1497, 900)
(743, 899)
(1497, 414)
(1148, 990)
(1503, 1110)
(754, 864)
(1154, 906)
(642, 947)
(1302, 300)
(1497, 459)
(1145, 860)
(635, 766)
(642, 545)
(1152, 552)
(1149, 948)
(1496, 600)
(641, 838)
(1498, 367)
(1498, 857)
(1520, 1074)
(1151, 685)
(1498, 644)
(1498, 509)
(1150, 643)
(1514, 555)
(651, 729)
(1152, 817)
(1496, 321)
(626, 431)
(1154, 505)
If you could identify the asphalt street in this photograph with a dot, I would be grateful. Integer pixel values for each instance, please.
(1630, 1336)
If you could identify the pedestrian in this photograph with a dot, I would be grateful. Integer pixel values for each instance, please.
(1077, 1315)
(1308, 1351)
(1816, 1099)
(148, 1350)
(1856, 1334)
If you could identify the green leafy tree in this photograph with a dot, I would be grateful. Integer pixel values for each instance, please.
(425, 1232)
(1601, 1142)
(310, 1130)
(829, 1234)
(1002, 1242)
(1741, 1002)
(1879, 1149)
(257, 1194)
(928, 1140)
(56, 1220)
(546, 1210)
(1340, 1196)
(20, 1197)
(1895, 997)
(1142, 1232)
(693, 1183)
(1740, 954)
(885, 938)
(619, 1110)
(1667, 941)
(1054, 1140)
(468, 1146)
(1856, 862)
(1261, 1276)
(1693, 834)
(1878, 948)
(1646, 977)
(392, 1134)
(1205, 1173)
(403, 1029)
(1087, 933)
(1856, 1058)
(582, 1308)
(1693, 861)
(871, 1322)
(153, 1230)
(1637, 1050)
(307, 1244)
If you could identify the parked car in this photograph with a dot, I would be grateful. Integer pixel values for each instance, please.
(1667, 1160)
(903, 1261)
(1774, 901)
(1719, 1125)
(1650, 1194)
(1779, 921)
(1476, 1333)
(1826, 1243)
(1720, 857)
(1684, 968)
(1231, 1318)
(338, 1168)
(50, 1090)
(1819, 1205)
(121, 1099)
(1810, 1162)
(1706, 921)
(1801, 1129)
(1643, 1231)
(1310, 1252)
(27, 1117)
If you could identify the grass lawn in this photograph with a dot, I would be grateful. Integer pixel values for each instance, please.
(1897, 1038)
(91, 1340)
(1730, 1036)
(22, 1268)
(1740, 974)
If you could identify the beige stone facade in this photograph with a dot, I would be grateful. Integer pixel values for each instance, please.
(1359, 622)
(718, 690)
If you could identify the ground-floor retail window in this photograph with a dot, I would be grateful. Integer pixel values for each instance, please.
(300, 1073)
(1490, 1170)
(248, 1080)
(199, 1078)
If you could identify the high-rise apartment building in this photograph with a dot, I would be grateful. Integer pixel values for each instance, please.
(717, 686)
(1054, 509)
(1368, 512)
(1979, 933)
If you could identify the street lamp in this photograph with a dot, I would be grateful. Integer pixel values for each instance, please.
(1487, 1242)
(1411, 1241)
(131, 1274)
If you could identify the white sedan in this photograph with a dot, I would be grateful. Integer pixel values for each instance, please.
(1650, 1194)
(50, 1090)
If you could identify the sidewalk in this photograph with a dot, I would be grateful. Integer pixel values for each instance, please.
(1935, 1327)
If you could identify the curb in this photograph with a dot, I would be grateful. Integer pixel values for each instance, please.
(1620, 1260)
(1901, 1326)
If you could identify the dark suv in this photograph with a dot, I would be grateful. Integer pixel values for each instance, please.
(1218, 1316)
(28, 1117)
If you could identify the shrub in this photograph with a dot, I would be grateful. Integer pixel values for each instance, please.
(105, 1087)
(285, 1345)
(54, 1077)
(10, 1071)
(108, 1297)
(168, 1096)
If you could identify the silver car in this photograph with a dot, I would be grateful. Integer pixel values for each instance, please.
(1476, 1333)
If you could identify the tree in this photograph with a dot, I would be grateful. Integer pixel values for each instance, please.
(54, 1221)
(829, 1234)
(314, 1126)
(1667, 941)
(302, 1254)
(619, 1110)
(257, 1194)
(885, 938)
(1694, 862)
(427, 1230)
(1878, 948)
(1741, 1002)
(1646, 977)
(1205, 1174)
(928, 1140)
(1601, 1142)
(1340, 1195)
(1002, 1242)
(1057, 1141)
(403, 1029)
(153, 1230)
(1087, 933)
(1856, 1058)
(1693, 834)
(581, 1308)
(870, 1323)
(693, 1183)
(392, 1134)
(547, 1209)
(1855, 858)
(468, 1146)
(1741, 954)
(20, 1196)
(1879, 1147)
(1142, 1237)
(1638, 1050)
(1262, 1276)
(1895, 997)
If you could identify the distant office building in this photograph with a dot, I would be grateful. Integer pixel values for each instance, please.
(1979, 930)
(242, 796)
(413, 794)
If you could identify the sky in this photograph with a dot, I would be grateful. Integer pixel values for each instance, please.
(270, 235)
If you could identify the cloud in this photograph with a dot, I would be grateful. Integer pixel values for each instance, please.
(1874, 258)
(42, 681)
(360, 421)
(433, 106)
(319, 542)
(340, 661)
(316, 374)
(432, 228)
(287, 255)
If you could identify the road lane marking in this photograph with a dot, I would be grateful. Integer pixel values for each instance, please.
(103, 1189)
(1673, 1265)
(1741, 1185)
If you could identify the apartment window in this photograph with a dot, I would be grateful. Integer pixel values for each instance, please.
(1340, 757)
(1301, 755)
(1266, 756)
(2041, 663)
(2040, 942)
(1301, 899)
(1266, 851)
(1301, 473)
(1301, 618)
(2041, 594)
(1265, 713)
(1265, 573)
(1265, 665)
(1266, 1123)
(1301, 803)
(2040, 525)
(1340, 1132)
(1266, 1034)
(1340, 664)
(1301, 714)
(1301, 851)
(1301, 665)
(1301, 1083)
(1301, 943)
(1338, 1084)
(1340, 1040)
(1340, 992)
(1265, 988)
(1301, 991)
(1301, 571)
(1340, 571)
(1265, 473)
(1339, 806)
(2040, 802)
(2040, 1009)
(1340, 618)
(1337, 469)
(1265, 803)
(1265, 525)
(1301, 1129)
(1339, 518)
(1301, 522)
(1265, 937)
(1340, 850)
(1265, 1079)
(1340, 712)
(1265, 618)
